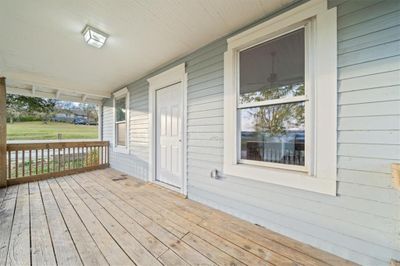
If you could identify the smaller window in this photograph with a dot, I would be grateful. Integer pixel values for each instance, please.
(121, 120)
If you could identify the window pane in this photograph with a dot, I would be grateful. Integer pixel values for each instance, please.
(274, 69)
(273, 133)
(121, 134)
(120, 109)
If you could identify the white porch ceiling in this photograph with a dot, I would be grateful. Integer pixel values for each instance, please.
(42, 49)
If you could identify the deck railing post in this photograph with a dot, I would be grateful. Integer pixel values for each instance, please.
(3, 133)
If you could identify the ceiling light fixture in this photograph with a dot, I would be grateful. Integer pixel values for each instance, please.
(94, 37)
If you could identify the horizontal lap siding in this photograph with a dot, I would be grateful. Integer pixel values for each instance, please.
(363, 222)
(136, 162)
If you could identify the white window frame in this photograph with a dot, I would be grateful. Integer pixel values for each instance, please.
(319, 173)
(117, 95)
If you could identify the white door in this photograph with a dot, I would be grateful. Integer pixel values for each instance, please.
(169, 135)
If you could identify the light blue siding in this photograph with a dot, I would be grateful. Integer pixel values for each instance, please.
(363, 222)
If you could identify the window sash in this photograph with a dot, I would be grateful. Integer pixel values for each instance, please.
(294, 99)
(302, 98)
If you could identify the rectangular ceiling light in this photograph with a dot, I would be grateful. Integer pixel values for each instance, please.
(94, 37)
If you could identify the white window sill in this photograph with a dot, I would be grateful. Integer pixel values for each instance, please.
(287, 178)
(121, 149)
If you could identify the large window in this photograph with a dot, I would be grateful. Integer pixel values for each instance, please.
(121, 121)
(280, 93)
(272, 101)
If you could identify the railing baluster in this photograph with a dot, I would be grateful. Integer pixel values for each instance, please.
(42, 163)
(23, 163)
(30, 162)
(9, 164)
(69, 158)
(16, 164)
(36, 157)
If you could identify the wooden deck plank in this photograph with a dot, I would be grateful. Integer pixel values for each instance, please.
(3, 192)
(42, 247)
(64, 248)
(124, 202)
(224, 245)
(133, 248)
(110, 249)
(210, 217)
(241, 228)
(92, 220)
(19, 247)
(150, 242)
(7, 209)
(86, 246)
(290, 248)
(170, 258)
(210, 251)
(169, 225)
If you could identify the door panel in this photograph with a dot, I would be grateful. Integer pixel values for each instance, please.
(169, 135)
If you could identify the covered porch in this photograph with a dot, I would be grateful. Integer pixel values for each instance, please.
(105, 217)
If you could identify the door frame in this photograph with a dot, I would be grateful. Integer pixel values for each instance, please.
(167, 78)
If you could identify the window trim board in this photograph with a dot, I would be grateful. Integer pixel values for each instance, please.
(321, 176)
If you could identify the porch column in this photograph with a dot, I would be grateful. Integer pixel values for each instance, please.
(3, 133)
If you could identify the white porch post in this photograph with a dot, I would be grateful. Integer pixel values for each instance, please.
(3, 133)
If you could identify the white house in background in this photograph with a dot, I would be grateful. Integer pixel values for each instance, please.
(283, 113)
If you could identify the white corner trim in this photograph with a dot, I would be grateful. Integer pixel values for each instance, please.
(169, 77)
(116, 148)
(322, 169)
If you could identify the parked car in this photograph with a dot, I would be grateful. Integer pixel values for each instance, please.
(80, 121)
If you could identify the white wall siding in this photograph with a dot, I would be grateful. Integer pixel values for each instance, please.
(363, 222)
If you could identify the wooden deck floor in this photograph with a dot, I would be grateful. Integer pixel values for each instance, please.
(90, 219)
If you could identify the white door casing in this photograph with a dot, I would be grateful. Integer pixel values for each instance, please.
(168, 169)
(169, 135)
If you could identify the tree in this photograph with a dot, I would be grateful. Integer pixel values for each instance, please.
(274, 119)
(18, 104)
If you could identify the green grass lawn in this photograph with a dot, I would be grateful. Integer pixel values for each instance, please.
(40, 131)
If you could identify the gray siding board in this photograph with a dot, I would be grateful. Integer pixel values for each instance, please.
(378, 66)
(369, 137)
(370, 109)
(372, 25)
(364, 14)
(369, 40)
(362, 222)
(384, 94)
(369, 54)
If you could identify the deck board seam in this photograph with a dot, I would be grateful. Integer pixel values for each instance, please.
(12, 225)
(47, 223)
(154, 221)
(123, 250)
(233, 256)
(79, 217)
(72, 177)
(65, 222)
(213, 233)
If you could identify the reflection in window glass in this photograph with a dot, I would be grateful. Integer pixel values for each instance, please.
(273, 69)
(121, 134)
(273, 133)
(120, 109)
